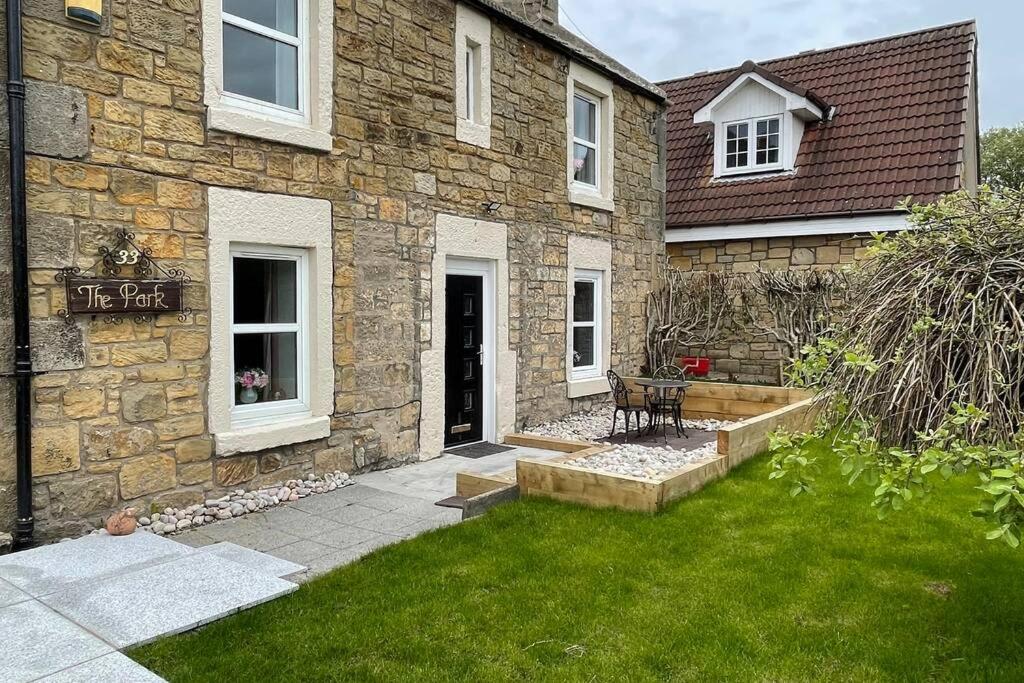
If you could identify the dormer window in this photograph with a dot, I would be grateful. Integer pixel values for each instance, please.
(753, 145)
(758, 120)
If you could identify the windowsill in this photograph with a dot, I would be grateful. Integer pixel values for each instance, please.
(272, 435)
(251, 124)
(473, 133)
(578, 388)
(590, 199)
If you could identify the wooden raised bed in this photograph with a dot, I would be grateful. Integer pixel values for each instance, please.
(765, 409)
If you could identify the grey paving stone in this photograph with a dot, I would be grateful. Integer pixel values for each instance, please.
(194, 538)
(322, 502)
(306, 527)
(357, 492)
(10, 595)
(35, 641)
(389, 501)
(48, 569)
(261, 562)
(136, 608)
(425, 510)
(389, 522)
(344, 537)
(350, 514)
(421, 527)
(111, 668)
(302, 552)
(266, 538)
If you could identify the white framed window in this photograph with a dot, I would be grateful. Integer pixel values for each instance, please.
(271, 310)
(472, 90)
(587, 334)
(269, 319)
(472, 77)
(269, 67)
(586, 138)
(590, 138)
(753, 145)
(266, 56)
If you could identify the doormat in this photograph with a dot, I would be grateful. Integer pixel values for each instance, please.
(479, 450)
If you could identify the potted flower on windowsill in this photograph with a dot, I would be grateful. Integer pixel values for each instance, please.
(250, 380)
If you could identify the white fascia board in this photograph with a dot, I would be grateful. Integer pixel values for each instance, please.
(816, 226)
(798, 105)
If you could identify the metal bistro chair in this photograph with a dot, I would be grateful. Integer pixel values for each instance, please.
(669, 402)
(627, 402)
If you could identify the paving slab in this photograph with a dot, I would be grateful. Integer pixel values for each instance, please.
(303, 552)
(36, 641)
(247, 557)
(10, 595)
(345, 537)
(52, 568)
(350, 514)
(136, 608)
(389, 522)
(112, 668)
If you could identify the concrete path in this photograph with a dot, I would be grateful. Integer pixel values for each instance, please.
(68, 609)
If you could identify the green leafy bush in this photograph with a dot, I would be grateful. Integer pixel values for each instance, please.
(925, 378)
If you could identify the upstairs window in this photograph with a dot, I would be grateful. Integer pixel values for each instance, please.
(472, 77)
(753, 145)
(264, 44)
(586, 136)
(472, 91)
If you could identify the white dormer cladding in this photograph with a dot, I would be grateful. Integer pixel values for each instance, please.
(744, 115)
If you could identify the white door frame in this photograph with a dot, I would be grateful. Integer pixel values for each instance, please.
(484, 269)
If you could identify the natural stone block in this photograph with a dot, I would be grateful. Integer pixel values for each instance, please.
(180, 427)
(803, 256)
(51, 241)
(130, 187)
(234, 471)
(194, 450)
(56, 345)
(137, 354)
(195, 473)
(147, 474)
(168, 125)
(82, 497)
(124, 59)
(333, 459)
(147, 92)
(189, 344)
(81, 176)
(55, 449)
(113, 442)
(143, 402)
(56, 121)
(83, 402)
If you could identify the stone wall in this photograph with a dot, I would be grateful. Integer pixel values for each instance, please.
(121, 142)
(739, 355)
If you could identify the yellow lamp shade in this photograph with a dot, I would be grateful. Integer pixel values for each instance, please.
(87, 11)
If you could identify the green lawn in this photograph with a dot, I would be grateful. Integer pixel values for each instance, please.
(737, 582)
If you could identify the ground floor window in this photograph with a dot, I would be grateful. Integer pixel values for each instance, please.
(269, 333)
(586, 325)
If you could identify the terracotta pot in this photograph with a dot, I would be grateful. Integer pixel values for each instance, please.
(121, 523)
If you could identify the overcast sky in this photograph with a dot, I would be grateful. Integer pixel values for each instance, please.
(662, 39)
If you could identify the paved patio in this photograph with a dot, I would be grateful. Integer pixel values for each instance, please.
(67, 609)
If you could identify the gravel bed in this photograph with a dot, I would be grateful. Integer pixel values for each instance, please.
(630, 459)
(241, 502)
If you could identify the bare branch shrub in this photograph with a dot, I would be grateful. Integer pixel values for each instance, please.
(937, 322)
(794, 308)
(688, 309)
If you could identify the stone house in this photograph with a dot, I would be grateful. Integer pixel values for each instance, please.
(424, 221)
(792, 163)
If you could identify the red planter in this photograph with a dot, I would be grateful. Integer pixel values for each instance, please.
(698, 367)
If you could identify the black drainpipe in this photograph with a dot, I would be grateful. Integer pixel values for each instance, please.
(25, 524)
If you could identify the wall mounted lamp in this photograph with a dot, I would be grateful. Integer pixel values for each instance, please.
(86, 11)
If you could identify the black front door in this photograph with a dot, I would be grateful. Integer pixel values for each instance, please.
(463, 370)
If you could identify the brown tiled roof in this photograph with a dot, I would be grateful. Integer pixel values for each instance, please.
(899, 130)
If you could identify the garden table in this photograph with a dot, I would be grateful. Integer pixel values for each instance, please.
(661, 387)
